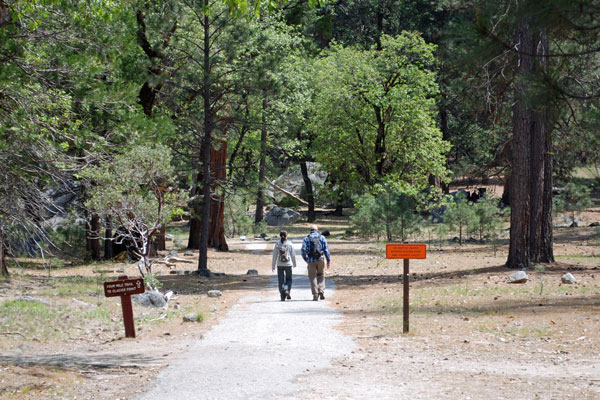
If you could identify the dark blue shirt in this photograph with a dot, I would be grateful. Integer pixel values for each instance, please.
(306, 246)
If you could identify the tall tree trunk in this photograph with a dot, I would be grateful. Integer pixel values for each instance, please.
(196, 209)
(218, 161)
(529, 170)
(108, 243)
(160, 242)
(312, 216)
(150, 89)
(93, 237)
(262, 167)
(547, 250)
(205, 149)
(3, 268)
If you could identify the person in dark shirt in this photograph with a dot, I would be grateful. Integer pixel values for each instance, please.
(314, 247)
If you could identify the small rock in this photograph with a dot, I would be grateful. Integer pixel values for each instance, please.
(173, 253)
(518, 277)
(568, 279)
(188, 253)
(595, 224)
(242, 238)
(169, 238)
(213, 309)
(252, 272)
(33, 299)
(176, 307)
(190, 318)
(214, 293)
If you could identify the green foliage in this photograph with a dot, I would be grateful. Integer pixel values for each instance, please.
(460, 215)
(489, 221)
(260, 228)
(441, 230)
(387, 211)
(365, 220)
(237, 221)
(152, 281)
(199, 317)
(23, 308)
(375, 114)
(135, 189)
(574, 198)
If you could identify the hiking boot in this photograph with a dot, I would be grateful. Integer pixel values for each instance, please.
(322, 296)
(287, 295)
(315, 297)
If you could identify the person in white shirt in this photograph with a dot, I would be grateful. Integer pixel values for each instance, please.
(284, 258)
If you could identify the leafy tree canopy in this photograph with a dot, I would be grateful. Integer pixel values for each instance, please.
(375, 114)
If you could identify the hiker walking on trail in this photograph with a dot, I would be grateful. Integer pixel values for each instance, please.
(314, 247)
(284, 257)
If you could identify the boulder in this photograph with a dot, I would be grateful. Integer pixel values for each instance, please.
(291, 180)
(188, 253)
(214, 293)
(568, 279)
(518, 277)
(279, 216)
(190, 318)
(252, 272)
(153, 298)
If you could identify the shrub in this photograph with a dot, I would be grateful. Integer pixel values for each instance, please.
(387, 211)
(460, 215)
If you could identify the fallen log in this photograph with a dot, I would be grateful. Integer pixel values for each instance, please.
(282, 190)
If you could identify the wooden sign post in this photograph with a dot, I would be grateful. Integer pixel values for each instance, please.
(125, 288)
(406, 252)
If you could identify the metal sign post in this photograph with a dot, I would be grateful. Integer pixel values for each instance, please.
(406, 252)
(125, 288)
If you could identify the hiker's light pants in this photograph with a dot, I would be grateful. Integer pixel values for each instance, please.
(316, 276)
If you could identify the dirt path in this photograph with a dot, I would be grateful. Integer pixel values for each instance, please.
(260, 349)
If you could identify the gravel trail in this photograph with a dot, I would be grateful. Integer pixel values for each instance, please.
(260, 349)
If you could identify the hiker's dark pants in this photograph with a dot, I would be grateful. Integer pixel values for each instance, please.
(284, 276)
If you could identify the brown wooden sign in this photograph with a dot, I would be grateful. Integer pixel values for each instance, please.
(125, 287)
(406, 251)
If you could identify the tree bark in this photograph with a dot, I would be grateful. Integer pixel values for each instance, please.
(547, 251)
(108, 243)
(205, 148)
(93, 237)
(311, 216)
(531, 167)
(262, 167)
(3, 268)
(196, 210)
(217, 214)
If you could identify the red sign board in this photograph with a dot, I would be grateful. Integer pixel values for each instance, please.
(125, 287)
(405, 251)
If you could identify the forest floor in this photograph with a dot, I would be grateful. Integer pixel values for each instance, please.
(472, 333)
